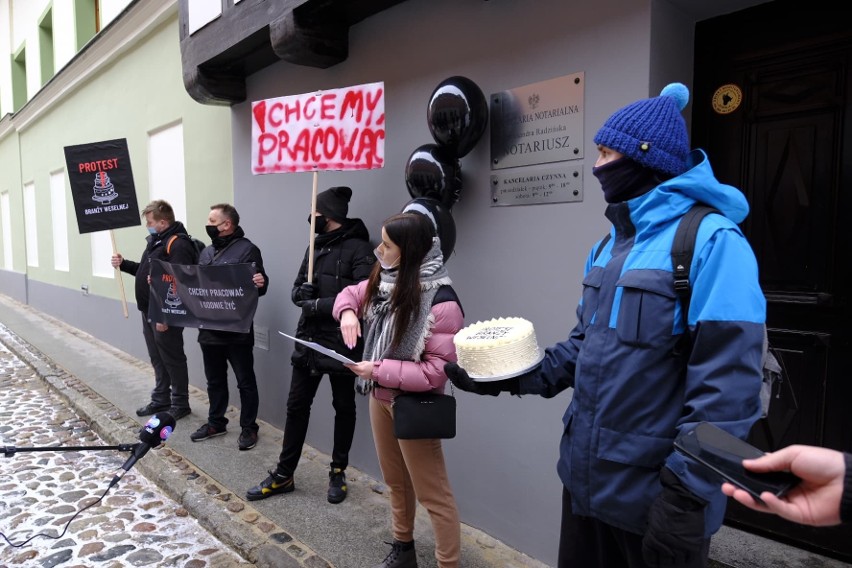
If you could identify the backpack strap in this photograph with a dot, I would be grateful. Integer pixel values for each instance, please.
(169, 244)
(683, 247)
(601, 246)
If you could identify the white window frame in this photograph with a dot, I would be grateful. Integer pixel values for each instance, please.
(31, 224)
(59, 221)
(101, 247)
(166, 167)
(6, 222)
(202, 12)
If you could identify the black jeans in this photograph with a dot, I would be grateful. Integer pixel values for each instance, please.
(586, 541)
(171, 377)
(241, 358)
(303, 389)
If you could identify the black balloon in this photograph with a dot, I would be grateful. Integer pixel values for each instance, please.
(457, 114)
(432, 171)
(441, 218)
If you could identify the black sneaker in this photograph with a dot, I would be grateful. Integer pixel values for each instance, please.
(207, 431)
(402, 555)
(336, 485)
(178, 413)
(272, 485)
(248, 439)
(151, 408)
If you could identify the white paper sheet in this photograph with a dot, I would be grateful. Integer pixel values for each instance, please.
(317, 347)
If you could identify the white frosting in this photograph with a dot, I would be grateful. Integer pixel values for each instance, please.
(496, 347)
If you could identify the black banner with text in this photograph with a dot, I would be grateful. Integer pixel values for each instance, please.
(219, 297)
(102, 185)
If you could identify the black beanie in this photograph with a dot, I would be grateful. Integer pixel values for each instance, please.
(334, 203)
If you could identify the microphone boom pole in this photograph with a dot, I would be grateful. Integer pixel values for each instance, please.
(9, 451)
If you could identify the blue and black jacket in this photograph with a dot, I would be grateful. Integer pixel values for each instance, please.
(635, 387)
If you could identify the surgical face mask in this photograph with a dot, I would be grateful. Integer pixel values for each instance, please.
(152, 231)
(385, 265)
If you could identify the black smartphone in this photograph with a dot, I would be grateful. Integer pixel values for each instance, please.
(724, 453)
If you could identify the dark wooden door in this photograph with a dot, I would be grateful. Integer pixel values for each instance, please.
(773, 108)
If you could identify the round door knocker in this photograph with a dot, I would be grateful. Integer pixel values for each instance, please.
(727, 99)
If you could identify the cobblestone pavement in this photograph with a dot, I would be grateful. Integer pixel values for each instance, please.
(134, 524)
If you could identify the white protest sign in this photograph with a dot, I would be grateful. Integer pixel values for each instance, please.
(338, 129)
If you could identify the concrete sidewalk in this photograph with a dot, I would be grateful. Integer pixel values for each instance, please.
(209, 478)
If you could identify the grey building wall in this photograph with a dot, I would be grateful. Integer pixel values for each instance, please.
(508, 261)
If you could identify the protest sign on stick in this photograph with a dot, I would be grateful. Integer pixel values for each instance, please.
(102, 189)
(338, 129)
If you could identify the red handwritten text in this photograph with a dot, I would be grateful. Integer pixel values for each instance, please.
(342, 129)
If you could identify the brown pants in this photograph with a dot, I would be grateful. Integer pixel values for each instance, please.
(414, 471)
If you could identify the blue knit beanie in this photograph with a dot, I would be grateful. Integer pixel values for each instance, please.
(652, 131)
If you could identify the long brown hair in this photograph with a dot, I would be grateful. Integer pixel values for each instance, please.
(412, 233)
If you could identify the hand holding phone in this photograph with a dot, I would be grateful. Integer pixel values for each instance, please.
(816, 501)
(723, 453)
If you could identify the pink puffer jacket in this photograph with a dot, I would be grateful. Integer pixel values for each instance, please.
(424, 375)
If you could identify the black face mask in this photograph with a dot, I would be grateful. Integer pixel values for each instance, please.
(624, 179)
(319, 225)
(212, 231)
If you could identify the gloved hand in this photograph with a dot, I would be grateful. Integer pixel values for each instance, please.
(309, 307)
(461, 380)
(307, 291)
(675, 533)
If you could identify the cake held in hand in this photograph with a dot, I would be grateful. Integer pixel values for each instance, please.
(497, 347)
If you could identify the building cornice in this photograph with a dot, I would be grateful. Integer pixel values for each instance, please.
(252, 34)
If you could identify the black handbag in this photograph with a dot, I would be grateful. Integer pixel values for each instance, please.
(424, 415)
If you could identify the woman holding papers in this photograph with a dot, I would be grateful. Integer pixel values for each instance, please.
(410, 315)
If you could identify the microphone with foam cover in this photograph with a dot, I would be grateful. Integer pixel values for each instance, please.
(154, 433)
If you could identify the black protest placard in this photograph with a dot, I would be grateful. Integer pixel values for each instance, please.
(102, 185)
(220, 296)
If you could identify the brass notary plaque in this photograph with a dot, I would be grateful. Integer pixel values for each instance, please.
(538, 123)
(537, 184)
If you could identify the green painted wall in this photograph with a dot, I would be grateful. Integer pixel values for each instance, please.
(10, 180)
(138, 93)
(84, 21)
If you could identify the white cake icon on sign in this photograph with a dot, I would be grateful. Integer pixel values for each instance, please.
(172, 298)
(104, 190)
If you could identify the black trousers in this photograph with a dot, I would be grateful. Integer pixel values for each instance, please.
(586, 542)
(241, 358)
(171, 377)
(303, 389)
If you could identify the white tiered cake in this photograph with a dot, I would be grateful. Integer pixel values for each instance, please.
(497, 347)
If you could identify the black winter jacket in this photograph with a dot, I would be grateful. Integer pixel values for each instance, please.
(341, 257)
(181, 251)
(233, 249)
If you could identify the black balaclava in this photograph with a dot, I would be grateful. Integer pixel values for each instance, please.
(623, 179)
(320, 223)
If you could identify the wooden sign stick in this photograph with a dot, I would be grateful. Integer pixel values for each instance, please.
(118, 273)
(313, 227)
